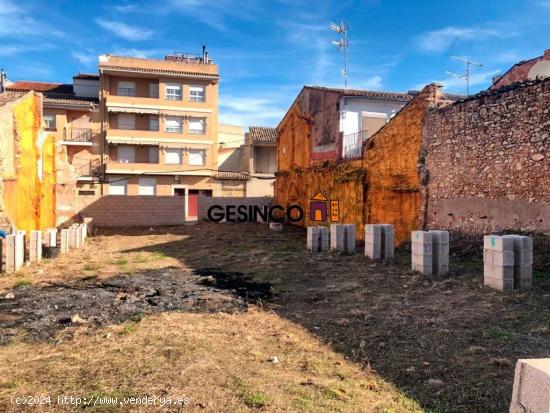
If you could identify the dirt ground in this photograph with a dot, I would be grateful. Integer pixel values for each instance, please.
(200, 311)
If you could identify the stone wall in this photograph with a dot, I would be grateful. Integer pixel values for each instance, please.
(487, 162)
(139, 210)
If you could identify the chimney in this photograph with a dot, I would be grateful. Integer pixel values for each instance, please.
(2, 80)
(203, 53)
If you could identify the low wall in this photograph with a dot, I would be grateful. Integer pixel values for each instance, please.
(128, 211)
(206, 202)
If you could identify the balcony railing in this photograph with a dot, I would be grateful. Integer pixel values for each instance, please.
(87, 168)
(352, 144)
(77, 134)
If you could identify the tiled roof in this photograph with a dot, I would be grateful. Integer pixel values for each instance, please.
(260, 134)
(404, 97)
(25, 86)
(232, 175)
(7, 97)
(71, 100)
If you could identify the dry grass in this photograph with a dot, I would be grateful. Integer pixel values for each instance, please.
(221, 362)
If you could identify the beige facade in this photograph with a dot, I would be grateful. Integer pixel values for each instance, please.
(161, 125)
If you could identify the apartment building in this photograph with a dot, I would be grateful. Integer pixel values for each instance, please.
(161, 123)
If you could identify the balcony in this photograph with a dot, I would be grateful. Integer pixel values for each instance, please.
(86, 169)
(78, 136)
(352, 144)
(139, 168)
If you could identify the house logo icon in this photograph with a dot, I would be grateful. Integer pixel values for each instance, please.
(320, 207)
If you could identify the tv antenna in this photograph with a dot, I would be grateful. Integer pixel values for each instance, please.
(465, 76)
(342, 45)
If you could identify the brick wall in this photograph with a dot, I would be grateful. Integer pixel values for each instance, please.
(487, 162)
(519, 72)
(206, 202)
(126, 211)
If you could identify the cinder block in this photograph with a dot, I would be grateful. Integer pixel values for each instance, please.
(498, 243)
(503, 258)
(521, 242)
(499, 284)
(497, 271)
(349, 238)
(373, 241)
(313, 239)
(84, 229)
(13, 253)
(35, 250)
(422, 248)
(441, 237)
(324, 235)
(65, 241)
(337, 237)
(388, 236)
(50, 237)
(423, 237)
(531, 391)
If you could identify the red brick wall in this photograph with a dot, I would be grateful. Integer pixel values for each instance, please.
(127, 211)
(519, 71)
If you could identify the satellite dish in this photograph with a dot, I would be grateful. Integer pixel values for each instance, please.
(540, 70)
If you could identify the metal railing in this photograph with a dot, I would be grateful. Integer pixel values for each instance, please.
(88, 168)
(77, 134)
(352, 144)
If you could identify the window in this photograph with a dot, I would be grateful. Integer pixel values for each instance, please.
(196, 93)
(173, 124)
(172, 156)
(118, 187)
(173, 91)
(126, 154)
(196, 125)
(154, 90)
(154, 123)
(153, 154)
(126, 89)
(197, 156)
(147, 186)
(49, 121)
(126, 121)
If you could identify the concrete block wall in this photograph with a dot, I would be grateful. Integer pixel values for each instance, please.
(35, 246)
(342, 238)
(127, 211)
(430, 252)
(523, 261)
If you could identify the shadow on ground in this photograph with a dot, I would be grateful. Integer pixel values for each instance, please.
(447, 342)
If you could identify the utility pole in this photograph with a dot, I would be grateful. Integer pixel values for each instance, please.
(465, 76)
(342, 44)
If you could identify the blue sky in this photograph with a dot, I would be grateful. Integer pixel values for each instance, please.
(267, 50)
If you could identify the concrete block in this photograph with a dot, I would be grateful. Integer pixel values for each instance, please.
(503, 258)
(388, 236)
(498, 243)
(337, 233)
(313, 239)
(84, 229)
(65, 241)
(521, 242)
(423, 237)
(441, 237)
(499, 284)
(35, 247)
(324, 235)
(276, 226)
(373, 241)
(422, 248)
(349, 238)
(497, 271)
(531, 392)
(13, 262)
(50, 237)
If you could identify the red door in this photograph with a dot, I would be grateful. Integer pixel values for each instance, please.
(193, 203)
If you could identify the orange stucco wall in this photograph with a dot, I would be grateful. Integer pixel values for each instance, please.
(28, 195)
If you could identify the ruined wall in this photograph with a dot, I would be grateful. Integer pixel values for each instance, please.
(342, 182)
(28, 197)
(392, 159)
(487, 162)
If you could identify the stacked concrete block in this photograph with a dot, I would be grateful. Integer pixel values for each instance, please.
(336, 237)
(276, 226)
(531, 391)
(440, 252)
(523, 261)
(14, 252)
(422, 252)
(50, 237)
(65, 241)
(498, 262)
(84, 229)
(379, 240)
(72, 238)
(349, 238)
(79, 240)
(318, 239)
(35, 247)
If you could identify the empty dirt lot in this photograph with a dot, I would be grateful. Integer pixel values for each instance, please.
(237, 318)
